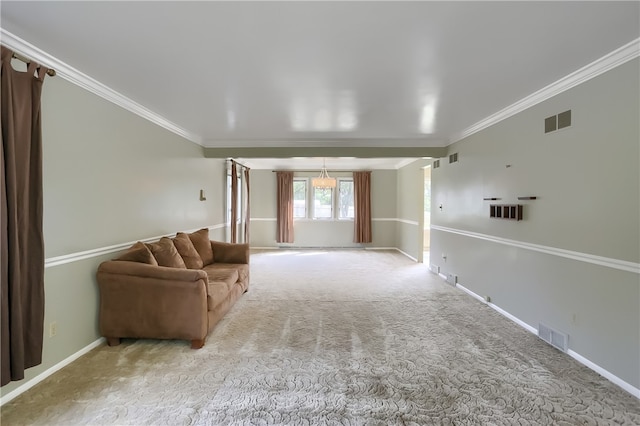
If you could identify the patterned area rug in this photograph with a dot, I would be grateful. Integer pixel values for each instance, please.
(330, 338)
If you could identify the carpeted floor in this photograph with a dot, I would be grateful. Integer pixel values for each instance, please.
(328, 338)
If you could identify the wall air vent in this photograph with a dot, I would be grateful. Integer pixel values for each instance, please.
(564, 119)
(453, 158)
(550, 124)
(553, 337)
(557, 122)
(436, 164)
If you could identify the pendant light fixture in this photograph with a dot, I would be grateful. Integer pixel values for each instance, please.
(323, 181)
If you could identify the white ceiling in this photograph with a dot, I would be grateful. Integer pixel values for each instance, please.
(243, 74)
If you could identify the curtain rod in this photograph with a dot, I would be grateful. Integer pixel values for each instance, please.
(240, 164)
(50, 72)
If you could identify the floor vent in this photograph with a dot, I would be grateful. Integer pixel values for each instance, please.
(435, 269)
(452, 279)
(553, 337)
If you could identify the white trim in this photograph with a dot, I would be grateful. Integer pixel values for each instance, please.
(408, 255)
(582, 360)
(604, 373)
(40, 377)
(81, 255)
(622, 265)
(408, 222)
(611, 60)
(334, 248)
(381, 248)
(82, 80)
(302, 219)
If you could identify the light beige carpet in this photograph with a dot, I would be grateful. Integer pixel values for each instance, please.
(329, 338)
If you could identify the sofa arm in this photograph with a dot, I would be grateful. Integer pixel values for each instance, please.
(146, 307)
(230, 252)
(151, 271)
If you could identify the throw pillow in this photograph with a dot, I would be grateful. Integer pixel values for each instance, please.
(139, 253)
(166, 253)
(188, 252)
(201, 242)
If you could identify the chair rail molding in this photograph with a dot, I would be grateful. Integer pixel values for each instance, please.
(86, 254)
(622, 265)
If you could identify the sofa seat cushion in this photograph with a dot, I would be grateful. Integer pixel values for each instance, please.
(221, 273)
(217, 292)
(243, 273)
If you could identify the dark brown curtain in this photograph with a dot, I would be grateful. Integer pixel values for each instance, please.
(285, 207)
(234, 202)
(362, 206)
(22, 245)
(247, 211)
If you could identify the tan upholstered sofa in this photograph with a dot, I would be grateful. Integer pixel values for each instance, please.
(177, 288)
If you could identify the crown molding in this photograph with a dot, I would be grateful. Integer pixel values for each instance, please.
(80, 79)
(614, 59)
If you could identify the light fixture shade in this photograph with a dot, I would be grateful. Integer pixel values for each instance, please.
(323, 182)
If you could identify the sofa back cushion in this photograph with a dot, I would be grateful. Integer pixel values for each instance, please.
(140, 253)
(187, 250)
(166, 253)
(201, 242)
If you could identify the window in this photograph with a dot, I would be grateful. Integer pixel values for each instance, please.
(299, 198)
(345, 199)
(239, 207)
(322, 203)
(228, 197)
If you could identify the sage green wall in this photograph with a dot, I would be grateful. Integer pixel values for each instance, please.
(410, 201)
(588, 183)
(323, 233)
(110, 177)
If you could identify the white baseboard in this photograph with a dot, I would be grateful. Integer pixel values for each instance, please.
(408, 255)
(604, 373)
(40, 377)
(336, 248)
(582, 360)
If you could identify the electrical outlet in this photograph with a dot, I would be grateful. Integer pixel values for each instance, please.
(53, 329)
